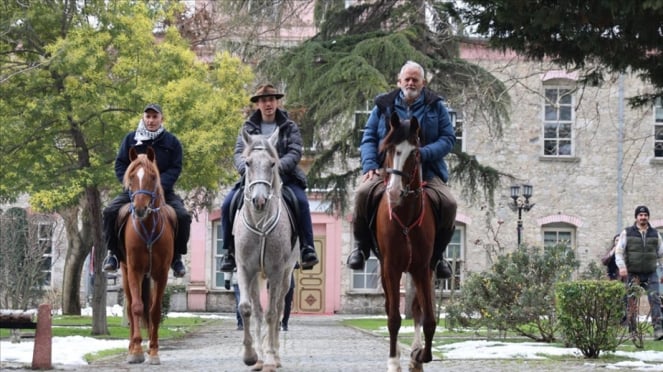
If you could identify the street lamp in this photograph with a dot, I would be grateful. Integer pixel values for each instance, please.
(520, 203)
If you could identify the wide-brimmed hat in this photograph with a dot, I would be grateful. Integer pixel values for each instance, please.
(266, 90)
(153, 107)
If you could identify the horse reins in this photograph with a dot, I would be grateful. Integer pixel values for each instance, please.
(269, 225)
(148, 236)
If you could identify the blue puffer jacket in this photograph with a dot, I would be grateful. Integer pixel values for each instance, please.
(169, 157)
(437, 134)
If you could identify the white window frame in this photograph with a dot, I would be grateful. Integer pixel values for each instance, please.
(459, 129)
(48, 256)
(658, 129)
(558, 109)
(217, 254)
(370, 274)
(559, 228)
(457, 241)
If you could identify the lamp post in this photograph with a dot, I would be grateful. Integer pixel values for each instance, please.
(520, 203)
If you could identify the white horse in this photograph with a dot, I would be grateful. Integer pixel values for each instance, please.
(264, 251)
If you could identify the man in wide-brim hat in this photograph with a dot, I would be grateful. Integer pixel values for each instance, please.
(264, 121)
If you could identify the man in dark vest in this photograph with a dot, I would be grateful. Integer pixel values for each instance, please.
(639, 248)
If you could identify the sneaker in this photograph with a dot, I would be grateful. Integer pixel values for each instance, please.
(658, 334)
(110, 264)
(178, 268)
(227, 264)
(240, 327)
(309, 258)
(284, 327)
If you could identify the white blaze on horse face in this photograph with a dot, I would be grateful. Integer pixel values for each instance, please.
(395, 185)
(140, 174)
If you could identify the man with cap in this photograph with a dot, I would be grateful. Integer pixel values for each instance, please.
(639, 248)
(264, 121)
(168, 149)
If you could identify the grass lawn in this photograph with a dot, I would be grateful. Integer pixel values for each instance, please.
(443, 336)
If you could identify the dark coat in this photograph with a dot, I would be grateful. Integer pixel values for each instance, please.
(168, 151)
(289, 147)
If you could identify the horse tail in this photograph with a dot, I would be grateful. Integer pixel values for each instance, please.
(146, 297)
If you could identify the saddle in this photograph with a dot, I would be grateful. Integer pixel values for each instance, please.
(373, 200)
(292, 208)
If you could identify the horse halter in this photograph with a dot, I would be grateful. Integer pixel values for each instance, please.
(148, 235)
(247, 191)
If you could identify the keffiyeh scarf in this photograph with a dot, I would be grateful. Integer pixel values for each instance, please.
(142, 134)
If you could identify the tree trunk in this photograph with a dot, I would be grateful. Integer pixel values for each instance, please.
(92, 219)
(75, 257)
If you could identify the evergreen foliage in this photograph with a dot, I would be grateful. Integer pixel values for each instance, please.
(610, 35)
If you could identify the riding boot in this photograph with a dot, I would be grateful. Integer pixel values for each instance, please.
(438, 263)
(228, 264)
(308, 256)
(362, 250)
(110, 263)
(178, 266)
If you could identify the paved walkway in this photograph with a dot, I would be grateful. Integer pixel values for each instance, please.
(313, 343)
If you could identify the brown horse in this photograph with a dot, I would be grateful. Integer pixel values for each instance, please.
(149, 244)
(405, 231)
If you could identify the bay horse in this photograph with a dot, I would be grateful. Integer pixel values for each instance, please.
(405, 233)
(263, 250)
(149, 244)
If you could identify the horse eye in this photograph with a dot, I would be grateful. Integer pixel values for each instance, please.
(248, 163)
(273, 164)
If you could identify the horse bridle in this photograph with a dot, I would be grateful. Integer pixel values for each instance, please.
(148, 236)
(409, 178)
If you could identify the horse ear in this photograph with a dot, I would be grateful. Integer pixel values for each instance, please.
(395, 121)
(414, 127)
(150, 153)
(132, 154)
(274, 138)
(246, 137)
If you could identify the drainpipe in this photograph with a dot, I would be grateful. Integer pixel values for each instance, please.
(620, 152)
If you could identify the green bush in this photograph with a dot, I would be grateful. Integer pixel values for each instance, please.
(517, 294)
(589, 314)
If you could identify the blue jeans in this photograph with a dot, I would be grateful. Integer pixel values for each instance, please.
(305, 224)
(649, 282)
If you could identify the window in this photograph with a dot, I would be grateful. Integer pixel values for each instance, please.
(219, 252)
(557, 235)
(658, 128)
(458, 129)
(454, 254)
(369, 278)
(558, 122)
(45, 244)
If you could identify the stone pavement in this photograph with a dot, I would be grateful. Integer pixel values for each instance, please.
(313, 343)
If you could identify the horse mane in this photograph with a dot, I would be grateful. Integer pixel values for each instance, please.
(143, 161)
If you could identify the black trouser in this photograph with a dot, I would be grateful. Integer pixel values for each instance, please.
(110, 220)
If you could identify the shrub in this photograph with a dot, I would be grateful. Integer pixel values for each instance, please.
(589, 314)
(518, 293)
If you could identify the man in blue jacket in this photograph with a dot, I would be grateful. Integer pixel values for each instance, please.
(168, 149)
(411, 99)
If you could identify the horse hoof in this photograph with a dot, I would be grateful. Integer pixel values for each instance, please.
(268, 368)
(420, 355)
(257, 366)
(415, 366)
(154, 360)
(251, 359)
(135, 358)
